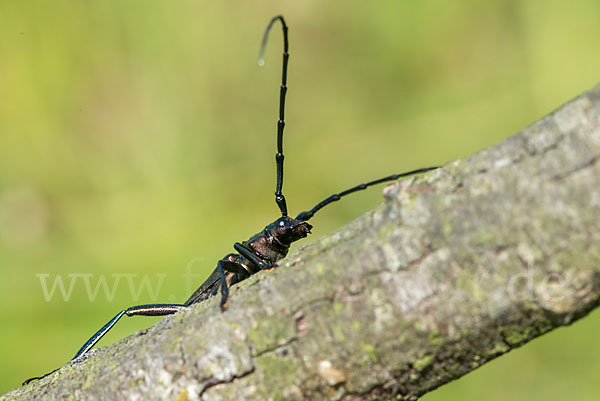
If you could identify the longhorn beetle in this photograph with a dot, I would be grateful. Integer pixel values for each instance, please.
(262, 250)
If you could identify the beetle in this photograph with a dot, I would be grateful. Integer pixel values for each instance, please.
(263, 250)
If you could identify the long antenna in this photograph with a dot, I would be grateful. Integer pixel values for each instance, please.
(305, 216)
(279, 198)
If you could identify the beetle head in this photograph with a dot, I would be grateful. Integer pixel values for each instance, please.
(287, 229)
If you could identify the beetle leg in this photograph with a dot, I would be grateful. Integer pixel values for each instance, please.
(246, 252)
(224, 285)
(138, 310)
(233, 267)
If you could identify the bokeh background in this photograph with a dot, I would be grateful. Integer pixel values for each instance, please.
(138, 138)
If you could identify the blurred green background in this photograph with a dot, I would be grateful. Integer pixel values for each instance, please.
(138, 137)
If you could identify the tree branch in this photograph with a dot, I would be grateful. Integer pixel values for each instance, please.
(454, 269)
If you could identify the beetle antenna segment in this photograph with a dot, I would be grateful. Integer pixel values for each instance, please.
(305, 216)
(279, 198)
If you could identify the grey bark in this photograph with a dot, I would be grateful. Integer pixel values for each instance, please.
(455, 268)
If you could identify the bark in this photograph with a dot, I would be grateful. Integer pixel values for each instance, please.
(455, 268)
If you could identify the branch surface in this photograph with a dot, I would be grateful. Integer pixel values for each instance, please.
(455, 268)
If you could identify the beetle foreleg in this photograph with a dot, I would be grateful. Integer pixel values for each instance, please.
(246, 252)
